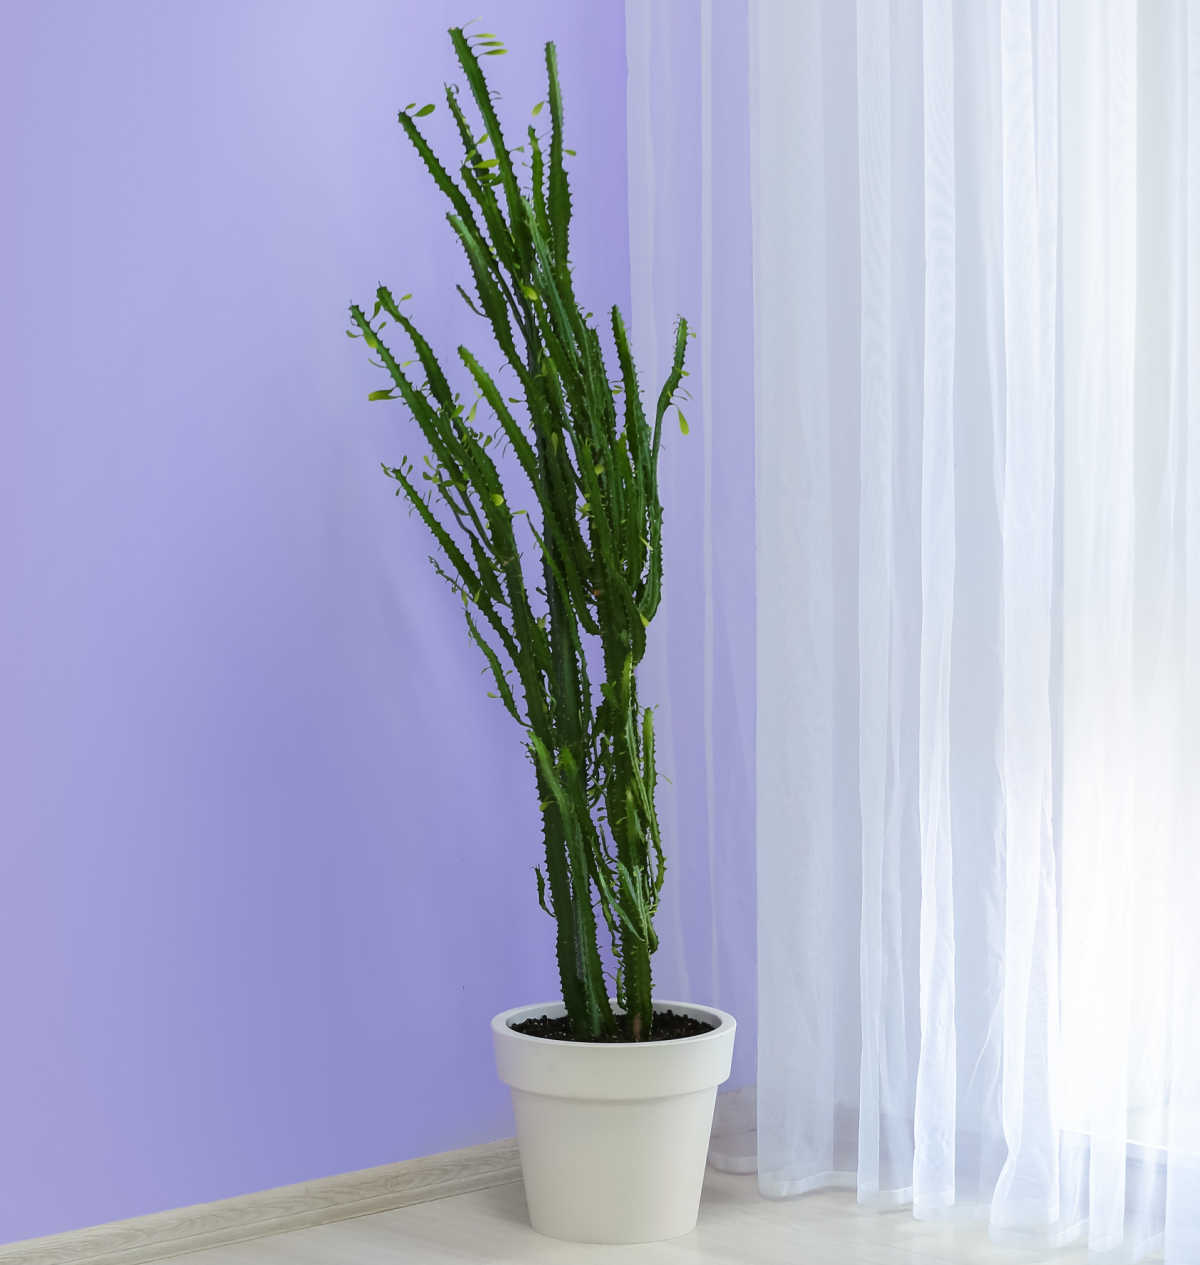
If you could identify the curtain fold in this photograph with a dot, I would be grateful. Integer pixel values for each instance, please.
(935, 1104)
(1027, 1192)
(964, 281)
(690, 249)
(794, 564)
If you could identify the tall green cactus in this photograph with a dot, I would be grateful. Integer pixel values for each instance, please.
(558, 605)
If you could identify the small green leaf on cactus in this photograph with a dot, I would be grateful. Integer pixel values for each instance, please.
(541, 884)
(683, 425)
(426, 109)
(381, 395)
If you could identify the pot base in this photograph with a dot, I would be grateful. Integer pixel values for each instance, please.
(613, 1172)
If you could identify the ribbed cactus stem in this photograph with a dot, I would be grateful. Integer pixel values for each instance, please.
(594, 543)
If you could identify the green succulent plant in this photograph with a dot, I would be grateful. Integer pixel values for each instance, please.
(558, 598)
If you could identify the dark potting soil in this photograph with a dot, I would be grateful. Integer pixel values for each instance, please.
(667, 1026)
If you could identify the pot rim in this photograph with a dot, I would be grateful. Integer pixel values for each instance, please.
(724, 1026)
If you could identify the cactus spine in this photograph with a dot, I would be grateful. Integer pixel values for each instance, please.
(589, 453)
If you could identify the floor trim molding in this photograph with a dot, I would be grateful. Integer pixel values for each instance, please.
(165, 1234)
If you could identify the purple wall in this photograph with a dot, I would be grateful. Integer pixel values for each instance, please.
(260, 828)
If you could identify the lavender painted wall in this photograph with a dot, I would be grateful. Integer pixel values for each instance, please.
(259, 825)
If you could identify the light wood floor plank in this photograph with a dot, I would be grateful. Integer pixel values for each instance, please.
(737, 1227)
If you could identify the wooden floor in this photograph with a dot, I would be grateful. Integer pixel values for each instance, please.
(736, 1226)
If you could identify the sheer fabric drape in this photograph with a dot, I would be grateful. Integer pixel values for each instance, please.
(975, 316)
(690, 253)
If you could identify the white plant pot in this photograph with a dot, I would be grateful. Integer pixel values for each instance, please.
(613, 1136)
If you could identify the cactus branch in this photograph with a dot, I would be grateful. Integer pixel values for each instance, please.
(562, 631)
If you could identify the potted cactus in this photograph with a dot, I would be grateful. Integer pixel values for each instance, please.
(540, 489)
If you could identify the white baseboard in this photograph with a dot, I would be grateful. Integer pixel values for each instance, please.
(165, 1234)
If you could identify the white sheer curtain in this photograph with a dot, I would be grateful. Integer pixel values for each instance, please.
(690, 252)
(976, 383)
